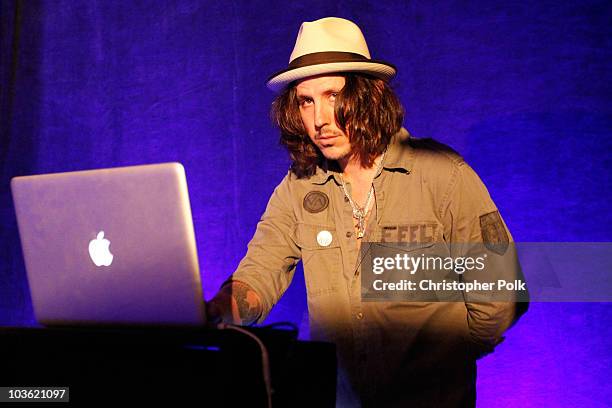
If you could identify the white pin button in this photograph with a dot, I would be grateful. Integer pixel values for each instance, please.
(324, 238)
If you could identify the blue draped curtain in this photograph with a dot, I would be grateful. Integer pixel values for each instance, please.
(521, 89)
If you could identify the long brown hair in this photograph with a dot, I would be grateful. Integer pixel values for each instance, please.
(366, 109)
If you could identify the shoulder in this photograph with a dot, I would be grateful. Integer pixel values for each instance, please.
(445, 173)
(443, 169)
(429, 152)
(291, 186)
(434, 162)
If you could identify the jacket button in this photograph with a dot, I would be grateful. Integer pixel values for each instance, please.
(346, 200)
(349, 234)
(359, 316)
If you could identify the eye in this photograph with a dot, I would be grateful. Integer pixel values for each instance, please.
(305, 102)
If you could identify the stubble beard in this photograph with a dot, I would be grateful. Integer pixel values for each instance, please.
(337, 155)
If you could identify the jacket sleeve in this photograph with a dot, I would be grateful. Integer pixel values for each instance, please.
(272, 254)
(474, 227)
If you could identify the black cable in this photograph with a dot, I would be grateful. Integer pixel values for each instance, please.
(265, 359)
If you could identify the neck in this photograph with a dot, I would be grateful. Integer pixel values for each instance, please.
(352, 170)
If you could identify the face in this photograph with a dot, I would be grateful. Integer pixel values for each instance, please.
(317, 96)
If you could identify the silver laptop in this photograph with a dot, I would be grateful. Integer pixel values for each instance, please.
(110, 246)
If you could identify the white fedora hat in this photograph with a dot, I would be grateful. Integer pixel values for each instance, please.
(326, 46)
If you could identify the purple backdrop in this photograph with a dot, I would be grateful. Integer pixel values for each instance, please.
(521, 89)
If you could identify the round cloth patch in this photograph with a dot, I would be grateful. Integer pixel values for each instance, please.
(315, 202)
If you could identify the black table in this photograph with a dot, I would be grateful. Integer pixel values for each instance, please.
(171, 364)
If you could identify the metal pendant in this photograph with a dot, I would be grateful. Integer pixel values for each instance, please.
(361, 227)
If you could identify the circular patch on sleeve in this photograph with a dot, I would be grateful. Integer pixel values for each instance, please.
(315, 202)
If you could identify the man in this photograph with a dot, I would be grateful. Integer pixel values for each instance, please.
(357, 176)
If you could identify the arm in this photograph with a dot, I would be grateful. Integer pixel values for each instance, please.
(474, 226)
(266, 271)
(235, 303)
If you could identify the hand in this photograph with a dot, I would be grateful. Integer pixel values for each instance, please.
(214, 315)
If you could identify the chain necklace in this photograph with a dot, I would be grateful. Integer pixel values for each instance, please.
(360, 213)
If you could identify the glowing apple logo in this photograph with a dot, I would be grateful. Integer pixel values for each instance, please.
(99, 252)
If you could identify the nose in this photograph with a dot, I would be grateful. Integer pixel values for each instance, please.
(322, 114)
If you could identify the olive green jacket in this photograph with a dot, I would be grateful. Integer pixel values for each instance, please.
(406, 352)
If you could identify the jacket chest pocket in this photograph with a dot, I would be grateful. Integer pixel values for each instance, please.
(321, 257)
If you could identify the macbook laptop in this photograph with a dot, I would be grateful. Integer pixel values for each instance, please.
(110, 247)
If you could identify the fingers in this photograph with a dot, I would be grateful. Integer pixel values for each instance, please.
(214, 314)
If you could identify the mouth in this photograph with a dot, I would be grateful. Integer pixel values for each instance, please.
(327, 137)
